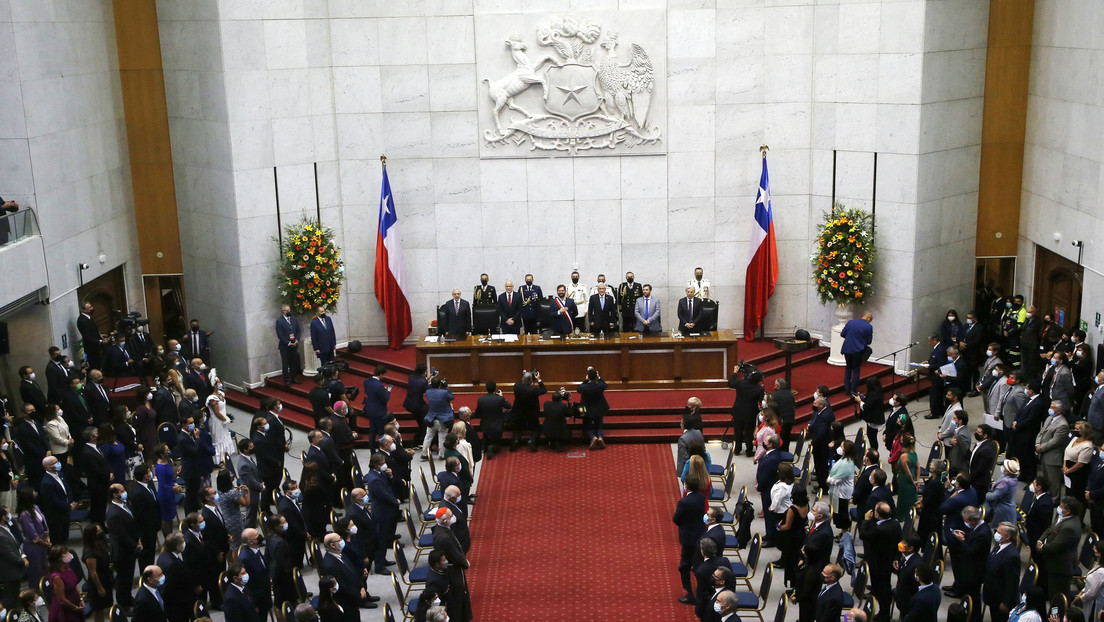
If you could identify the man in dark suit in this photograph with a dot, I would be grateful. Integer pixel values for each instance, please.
(278, 559)
(880, 535)
(531, 297)
(164, 404)
(592, 393)
(972, 347)
(122, 531)
(288, 332)
(936, 358)
(689, 312)
(491, 409)
(196, 379)
(451, 477)
(820, 434)
(983, 460)
(459, 604)
(29, 432)
(1058, 549)
(195, 344)
(1026, 427)
(564, 311)
(745, 407)
(961, 497)
(180, 587)
(237, 601)
(385, 508)
(460, 511)
(484, 294)
(968, 547)
(148, 602)
(458, 318)
(711, 560)
(97, 397)
(251, 555)
(961, 379)
(357, 511)
(96, 471)
(142, 500)
(120, 362)
(192, 451)
(90, 335)
(688, 517)
(323, 336)
(829, 603)
(1000, 590)
(275, 446)
(13, 564)
(29, 391)
(857, 336)
(906, 571)
(818, 554)
(1094, 495)
(787, 411)
(57, 376)
(509, 310)
(375, 405)
(349, 592)
(766, 474)
(527, 408)
(75, 408)
(627, 294)
(398, 462)
(924, 606)
(250, 476)
(861, 496)
(215, 535)
(714, 530)
(197, 558)
(602, 312)
(287, 504)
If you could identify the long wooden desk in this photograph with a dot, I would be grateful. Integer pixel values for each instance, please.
(625, 362)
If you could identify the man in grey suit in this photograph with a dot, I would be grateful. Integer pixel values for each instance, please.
(647, 313)
(250, 476)
(1050, 444)
(1058, 548)
(961, 445)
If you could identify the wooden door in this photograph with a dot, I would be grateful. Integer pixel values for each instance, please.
(107, 293)
(1058, 288)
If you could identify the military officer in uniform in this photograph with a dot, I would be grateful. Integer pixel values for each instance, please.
(531, 296)
(702, 288)
(509, 310)
(627, 294)
(601, 281)
(484, 295)
(578, 292)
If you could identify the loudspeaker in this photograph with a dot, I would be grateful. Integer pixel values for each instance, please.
(5, 345)
(354, 347)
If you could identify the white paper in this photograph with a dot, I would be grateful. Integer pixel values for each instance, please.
(431, 339)
(1066, 481)
(949, 370)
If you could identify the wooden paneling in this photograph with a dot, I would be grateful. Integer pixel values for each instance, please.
(147, 122)
(1004, 122)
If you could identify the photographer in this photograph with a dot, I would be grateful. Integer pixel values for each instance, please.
(555, 419)
(527, 408)
(592, 391)
(749, 393)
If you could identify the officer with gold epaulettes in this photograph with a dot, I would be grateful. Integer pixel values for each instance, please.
(531, 296)
(578, 292)
(702, 288)
(627, 294)
(484, 294)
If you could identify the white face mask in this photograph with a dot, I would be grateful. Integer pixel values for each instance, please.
(32, 376)
(996, 373)
(950, 318)
(988, 353)
(839, 451)
(1031, 488)
(892, 402)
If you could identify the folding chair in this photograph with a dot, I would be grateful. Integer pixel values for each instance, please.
(968, 606)
(869, 607)
(422, 544)
(435, 496)
(432, 469)
(1088, 551)
(728, 519)
(427, 516)
(932, 551)
(756, 603)
(780, 612)
(199, 610)
(858, 586)
(410, 577)
(937, 569)
(228, 464)
(300, 585)
(115, 614)
(288, 611)
(860, 441)
(406, 607)
(800, 446)
(723, 495)
(1029, 577)
(936, 453)
(717, 471)
(746, 572)
(1061, 603)
(388, 616)
(910, 524)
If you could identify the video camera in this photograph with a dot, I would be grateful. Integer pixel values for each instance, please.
(750, 371)
(129, 322)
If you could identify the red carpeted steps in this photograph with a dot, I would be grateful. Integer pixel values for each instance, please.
(637, 416)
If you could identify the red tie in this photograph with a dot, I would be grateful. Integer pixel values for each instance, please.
(509, 299)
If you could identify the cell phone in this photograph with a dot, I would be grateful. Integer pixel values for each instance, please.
(1053, 611)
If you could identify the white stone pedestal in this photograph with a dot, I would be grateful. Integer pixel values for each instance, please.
(843, 314)
(310, 359)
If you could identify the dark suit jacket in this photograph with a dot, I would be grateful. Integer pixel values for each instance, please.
(688, 517)
(186, 345)
(237, 604)
(818, 546)
(906, 581)
(490, 410)
(879, 495)
(1030, 419)
(197, 557)
(76, 414)
(829, 604)
(366, 530)
(90, 334)
(57, 381)
(703, 573)
(924, 606)
(348, 592)
(122, 530)
(857, 334)
(602, 319)
(95, 469)
(820, 429)
(593, 397)
(143, 504)
(285, 328)
(862, 490)
(179, 588)
(296, 533)
(323, 335)
(146, 606)
(981, 465)
(458, 322)
(786, 408)
(54, 500)
(509, 311)
(766, 472)
(31, 393)
(259, 583)
(376, 397)
(215, 535)
(11, 558)
(880, 543)
(560, 323)
(117, 358)
(33, 442)
(385, 506)
(688, 314)
(460, 527)
(197, 381)
(1059, 551)
(1002, 577)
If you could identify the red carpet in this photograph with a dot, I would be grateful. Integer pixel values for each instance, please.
(561, 539)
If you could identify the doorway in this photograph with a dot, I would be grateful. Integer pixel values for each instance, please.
(1058, 283)
(107, 293)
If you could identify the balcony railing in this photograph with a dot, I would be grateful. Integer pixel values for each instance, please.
(18, 226)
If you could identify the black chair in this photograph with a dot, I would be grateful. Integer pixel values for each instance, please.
(199, 610)
(936, 453)
(300, 587)
(288, 610)
(388, 615)
(780, 612)
(115, 614)
(709, 314)
(1088, 550)
(870, 606)
(484, 320)
(166, 433)
(1060, 603)
(1029, 577)
(228, 464)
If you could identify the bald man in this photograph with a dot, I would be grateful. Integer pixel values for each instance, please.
(148, 603)
(509, 310)
(55, 500)
(458, 317)
(251, 556)
(349, 593)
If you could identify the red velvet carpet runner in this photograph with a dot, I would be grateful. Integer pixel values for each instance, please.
(558, 538)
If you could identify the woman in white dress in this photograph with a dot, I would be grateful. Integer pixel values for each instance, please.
(219, 423)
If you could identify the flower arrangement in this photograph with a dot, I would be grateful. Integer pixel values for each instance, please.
(843, 265)
(311, 270)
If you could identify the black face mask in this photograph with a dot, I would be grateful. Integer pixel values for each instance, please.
(698, 276)
(978, 436)
(628, 280)
(575, 280)
(484, 281)
(528, 282)
(287, 313)
(195, 327)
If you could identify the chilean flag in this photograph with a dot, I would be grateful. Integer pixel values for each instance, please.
(762, 269)
(389, 270)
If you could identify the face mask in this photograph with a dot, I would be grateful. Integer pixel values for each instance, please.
(575, 280)
(177, 347)
(1008, 305)
(484, 281)
(57, 467)
(950, 359)
(1032, 487)
(901, 547)
(203, 367)
(970, 321)
(978, 436)
(452, 521)
(284, 527)
(123, 497)
(705, 518)
(1050, 412)
(71, 365)
(362, 501)
(67, 558)
(161, 580)
(892, 402)
(950, 318)
(266, 427)
(287, 313)
(436, 602)
(40, 602)
(160, 351)
(717, 607)
(816, 395)
(245, 578)
(996, 373)
(839, 451)
(1028, 315)
(996, 537)
(528, 282)
(1054, 361)
(191, 427)
(353, 530)
(4, 447)
(629, 280)
(1101, 454)
(988, 353)
(760, 418)
(341, 545)
(296, 494)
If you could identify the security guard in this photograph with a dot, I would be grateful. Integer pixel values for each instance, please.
(702, 287)
(1011, 328)
(484, 294)
(627, 294)
(531, 296)
(578, 292)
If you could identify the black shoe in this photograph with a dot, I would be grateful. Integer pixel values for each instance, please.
(973, 394)
(749, 453)
(931, 416)
(372, 599)
(686, 600)
(388, 563)
(369, 606)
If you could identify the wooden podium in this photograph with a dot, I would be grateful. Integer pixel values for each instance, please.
(628, 361)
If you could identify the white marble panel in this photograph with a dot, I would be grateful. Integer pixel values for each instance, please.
(730, 267)
(690, 220)
(359, 136)
(251, 142)
(692, 174)
(649, 264)
(857, 78)
(741, 80)
(902, 27)
(293, 141)
(321, 91)
(502, 180)
(738, 172)
(454, 134)
(254, 193)
(954, 75)
(13, 123)
(289, 93)
(247, 95)
(285, 44)
(450, 40)
(643, 221)
(691, 34)
(319, 54)
(411, 180)
(739, 128)
(739, 32)
(898, 128)
(859, 28)
(420, 269)
(406, 135)
(452, 87)
(787, 125)
(243, 45)
(598, 223)
(15, 167)
(455, 180)
(692, 81)
(507, 224)
(856, 126)
(506, 263)
(404, 88)
(597, 178)
(644, 177)
(826, 29)
(402, 41)
(235, 9)
(448, 7)
(951, 124)
(357, 89)
(962, 24)
(900, 77)
(354, 42)
(789, 29)
(49, 113)
(692, 128)
(418, 221)
(788, 78)
(550, 179)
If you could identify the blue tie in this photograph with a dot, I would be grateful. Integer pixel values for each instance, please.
(645, 308)
(157, 593)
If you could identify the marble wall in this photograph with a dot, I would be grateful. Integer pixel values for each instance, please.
(256, 86)
(1063, 158)
(63, 151)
